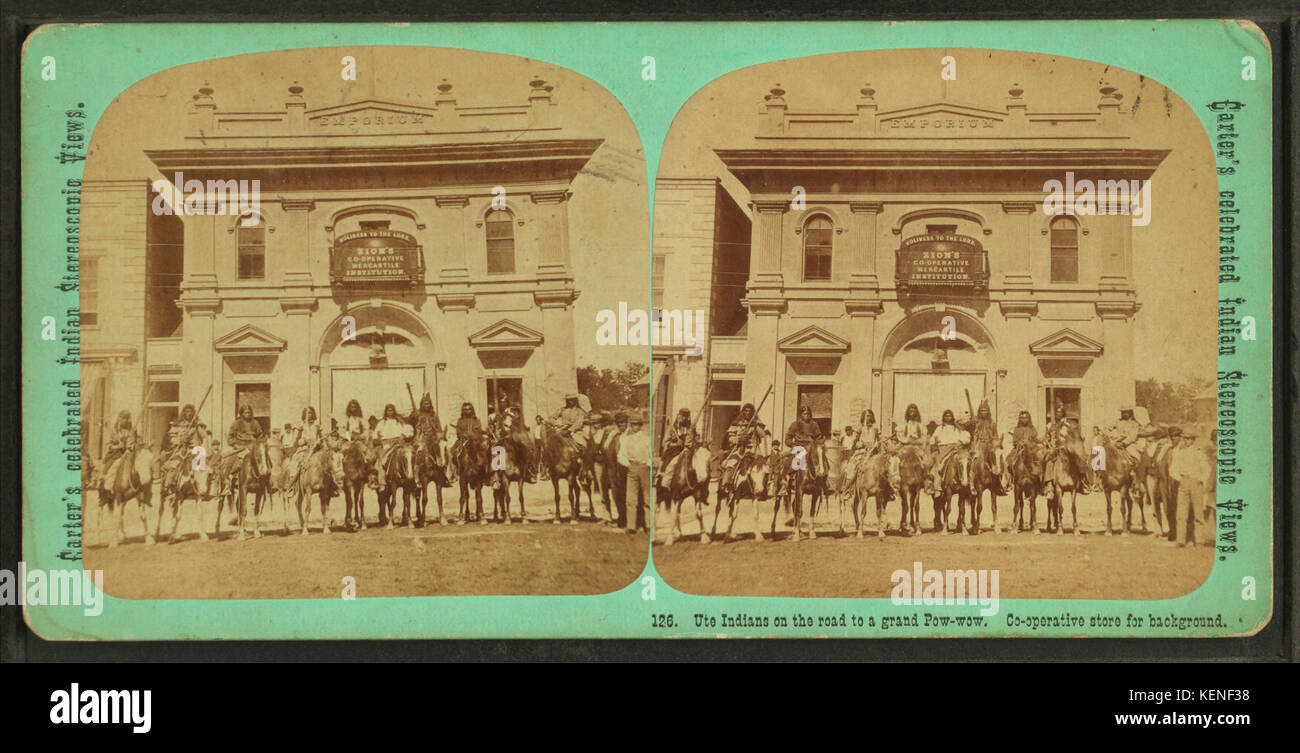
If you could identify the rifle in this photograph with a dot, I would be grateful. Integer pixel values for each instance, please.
(703, 407)
(410, 396)
(749, 429)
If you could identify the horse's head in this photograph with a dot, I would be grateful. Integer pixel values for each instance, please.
(759, 473)
(259, 458)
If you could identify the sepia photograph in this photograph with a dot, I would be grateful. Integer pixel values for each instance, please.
(956, 306)
(336, 327)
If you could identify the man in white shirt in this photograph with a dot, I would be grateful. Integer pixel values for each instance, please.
(947, 437)
(634, 455)
(1189, 468)
(389, 432)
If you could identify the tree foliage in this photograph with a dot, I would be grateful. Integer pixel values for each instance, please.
(614, 389)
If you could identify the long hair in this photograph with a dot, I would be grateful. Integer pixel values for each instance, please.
(353, 409)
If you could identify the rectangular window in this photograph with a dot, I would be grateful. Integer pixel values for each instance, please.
(817, 253)
(162, 407)
(257, 397)
(1065, 255)
(252, 253)
(500, 245)
(940, 229)
(819, 398)
(658, 273)
(90, 292)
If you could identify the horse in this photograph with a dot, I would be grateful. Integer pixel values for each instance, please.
(472, 473)
(810, 478)
(563, 460)
(356, 471)
(1152, 480)
(595, 476)
(400, 475)
(984, 477)
(1063, 474)
(835, 476)
(955, 478)
(511, 471)
(1116, 475)
(687, 475)
(877, 476)
(429, 470)
(1026, 485)
(253, 472)
(130, 477)
(913, 470)
(755, 484)
(192, 483)
(313, 478)
(280, 481)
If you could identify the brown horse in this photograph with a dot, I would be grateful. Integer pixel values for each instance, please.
(281, 484)
(877, 476)
(430, 469)
(507, 469)
(1064, 474)
(1152, 480)
(400, 475)
(810, 478)
(356, 470)
(596, 475)
(955, 479)
(253, 473)
(313, 478)
(687, 475)
(984, 477)
(913, 470)
(563, 460)
(472, 472)
(129, 477)
(1116, 476)
(191, 483)
(1026, 485)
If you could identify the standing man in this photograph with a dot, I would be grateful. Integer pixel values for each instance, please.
(619, 472)
(1188, 466)
(634, 455)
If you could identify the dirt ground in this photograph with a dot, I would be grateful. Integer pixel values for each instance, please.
(533, 558)
(1086, 565)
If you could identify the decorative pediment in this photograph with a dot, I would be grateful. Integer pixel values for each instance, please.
(506, 335)
(374, 113)
(249, 341)
(813, 341)
(941, 116)
(1066, 344)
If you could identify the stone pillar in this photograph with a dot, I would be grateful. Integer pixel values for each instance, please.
(293, 371)
(1018, 390)
(863, 306)
(295, 107)
(557, 328)
(201, 255)
(1017, 267)
(201, 362)
(295, 247)
(553, 234)
(762, 359)
(455, 238)
(1117, 387)
(765, 245)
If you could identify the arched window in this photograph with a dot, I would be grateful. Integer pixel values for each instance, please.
(500, 225)
(817, 235)
(1065, 250)
(252, 249)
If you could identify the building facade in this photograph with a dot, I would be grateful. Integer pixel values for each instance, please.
(904, 256)
(389, 250)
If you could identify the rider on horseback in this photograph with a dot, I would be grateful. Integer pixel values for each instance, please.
(1125, 433)
(467, 427)
(1023, 436)
(680, 436)
(803, 432)
(913, 429)
(389, 432)
(428, 428)
(182, 436)
(570, 420)
(244, 433)
(1063, 434)
(508, 424)
(743, 443)
(985, 432)
(861, 445)
(307, 440)
(947, 439)
(124, 441)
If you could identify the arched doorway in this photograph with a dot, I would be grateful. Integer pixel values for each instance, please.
(374, 353)
(934, 358)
